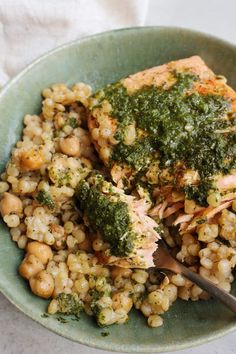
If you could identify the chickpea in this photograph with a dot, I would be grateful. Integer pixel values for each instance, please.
(189, 206)
(30, 266)
(10, 204)
(31, 160)
(81, 285)
(214, 199)
(122, 300)
(42, 251)
(42, 284)
(79, 235)
(70, 146)
(207, 232)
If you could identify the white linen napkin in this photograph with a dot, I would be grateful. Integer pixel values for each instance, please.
(29, 28)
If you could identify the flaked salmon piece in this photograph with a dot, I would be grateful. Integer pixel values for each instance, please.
(227, 182)
(183, 218)
(163, 191)
(155, 211)
(208, 214)
(183, 226)
(172, 209)
(228, 197)
(211, 212)
(162, 209)
(120, 221)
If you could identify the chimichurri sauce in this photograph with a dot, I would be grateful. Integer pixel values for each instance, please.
(109, 218)
(178, 125)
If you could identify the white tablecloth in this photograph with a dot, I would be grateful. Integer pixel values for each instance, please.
(29, 28)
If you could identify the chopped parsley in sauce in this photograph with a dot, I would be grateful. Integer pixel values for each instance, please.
(44, 198)
(198, 192)
(137, 155)
(177, 126)
(69, 304)
(108, 217)
(73, 122)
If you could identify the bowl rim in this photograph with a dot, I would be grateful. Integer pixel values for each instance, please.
(106, 345)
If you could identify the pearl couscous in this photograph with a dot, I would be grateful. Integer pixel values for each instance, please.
(61, 260)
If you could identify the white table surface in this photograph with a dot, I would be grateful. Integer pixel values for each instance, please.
(18, 333)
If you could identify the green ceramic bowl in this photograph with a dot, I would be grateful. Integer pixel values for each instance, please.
(99, 60)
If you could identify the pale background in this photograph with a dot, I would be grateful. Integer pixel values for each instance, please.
(19, 334)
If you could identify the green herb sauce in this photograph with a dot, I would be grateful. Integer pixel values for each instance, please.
(45, 315)
(62, 319)
(45, 198)
(96, 296)
(73, 122)
(109, 218)
(198, 192)
(178, 125)
(69, 304)
(138, 155)
(105, 334)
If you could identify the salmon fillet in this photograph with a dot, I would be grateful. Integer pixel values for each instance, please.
(172, 124)
(120, 221)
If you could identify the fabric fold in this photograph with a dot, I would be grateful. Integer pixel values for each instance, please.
(29, 28)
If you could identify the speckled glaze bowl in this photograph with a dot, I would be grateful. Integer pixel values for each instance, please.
(99, 60)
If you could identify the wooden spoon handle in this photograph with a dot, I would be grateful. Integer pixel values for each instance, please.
(218, 293)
